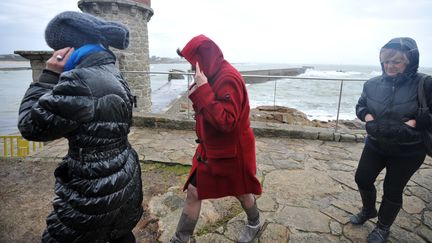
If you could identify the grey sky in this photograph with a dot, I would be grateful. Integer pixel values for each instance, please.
(279, 31)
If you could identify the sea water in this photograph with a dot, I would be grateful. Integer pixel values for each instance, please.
(318, 99)
(13, 85)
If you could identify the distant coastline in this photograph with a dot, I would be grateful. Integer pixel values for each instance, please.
(13, 62)
(12, 57)
(14, 68)
(152, 60)
(16, 62)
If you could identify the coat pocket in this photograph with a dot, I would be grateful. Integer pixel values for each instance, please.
(222, 161)
(409, 134)
(372, 128)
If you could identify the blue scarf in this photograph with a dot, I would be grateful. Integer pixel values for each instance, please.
(80, 53)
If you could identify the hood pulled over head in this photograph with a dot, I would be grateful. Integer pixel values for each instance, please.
(407, 46)
(203, 50)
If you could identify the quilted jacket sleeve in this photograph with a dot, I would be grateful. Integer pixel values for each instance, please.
(428, 91)
(424, 118)
(361, 107)
(49, 111)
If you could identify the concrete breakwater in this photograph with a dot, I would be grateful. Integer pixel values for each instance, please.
(175, 105)
(271, 72)
(249, 74)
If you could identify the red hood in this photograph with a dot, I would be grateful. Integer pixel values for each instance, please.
(203, 50)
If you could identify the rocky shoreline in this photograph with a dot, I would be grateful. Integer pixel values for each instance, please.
(287, 115)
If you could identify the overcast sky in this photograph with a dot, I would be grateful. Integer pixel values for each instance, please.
(337, 32)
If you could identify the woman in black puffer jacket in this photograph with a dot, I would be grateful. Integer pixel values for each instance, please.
(82, 96)
(389, 106)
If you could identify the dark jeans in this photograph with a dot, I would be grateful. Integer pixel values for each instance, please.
(399, 169)
(127, 238)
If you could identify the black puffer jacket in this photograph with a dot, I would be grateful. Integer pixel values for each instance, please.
(393, 100)
(98, 184)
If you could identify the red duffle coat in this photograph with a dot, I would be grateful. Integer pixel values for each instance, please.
(224, 160)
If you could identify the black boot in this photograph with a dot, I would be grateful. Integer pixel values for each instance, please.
(386, 216)
(184, 231)
(368, 210)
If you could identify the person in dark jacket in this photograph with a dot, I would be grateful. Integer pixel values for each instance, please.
(389, 106)
(224, 163)
(83, 97)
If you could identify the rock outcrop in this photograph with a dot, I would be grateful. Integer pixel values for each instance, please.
(282, 114)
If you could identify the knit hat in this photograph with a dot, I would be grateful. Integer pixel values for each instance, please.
(75, 29)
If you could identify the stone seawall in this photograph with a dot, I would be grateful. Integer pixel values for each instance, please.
(271, 72)
(261, 129)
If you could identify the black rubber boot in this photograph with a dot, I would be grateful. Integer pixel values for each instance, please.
(184, 231)
(368, 210)
(386, 216)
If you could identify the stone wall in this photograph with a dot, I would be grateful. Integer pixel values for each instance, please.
(260, 129)
(135, 15)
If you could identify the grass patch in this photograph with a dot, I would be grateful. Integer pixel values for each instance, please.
(176, 169)
(235, 210)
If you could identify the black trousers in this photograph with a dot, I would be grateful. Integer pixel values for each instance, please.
(399, 169)
(127, 238)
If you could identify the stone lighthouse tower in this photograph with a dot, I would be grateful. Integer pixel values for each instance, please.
(134, 14)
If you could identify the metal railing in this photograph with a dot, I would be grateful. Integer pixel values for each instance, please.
(16, 146)
(276, 77)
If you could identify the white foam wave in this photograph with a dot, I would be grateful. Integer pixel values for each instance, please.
(312, 73)
(375, 73)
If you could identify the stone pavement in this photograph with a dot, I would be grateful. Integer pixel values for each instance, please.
(309, 191)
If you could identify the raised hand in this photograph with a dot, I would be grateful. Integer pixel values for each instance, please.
(200, 79)
(58, 60)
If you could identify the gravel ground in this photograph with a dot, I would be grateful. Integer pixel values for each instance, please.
(26, 191)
